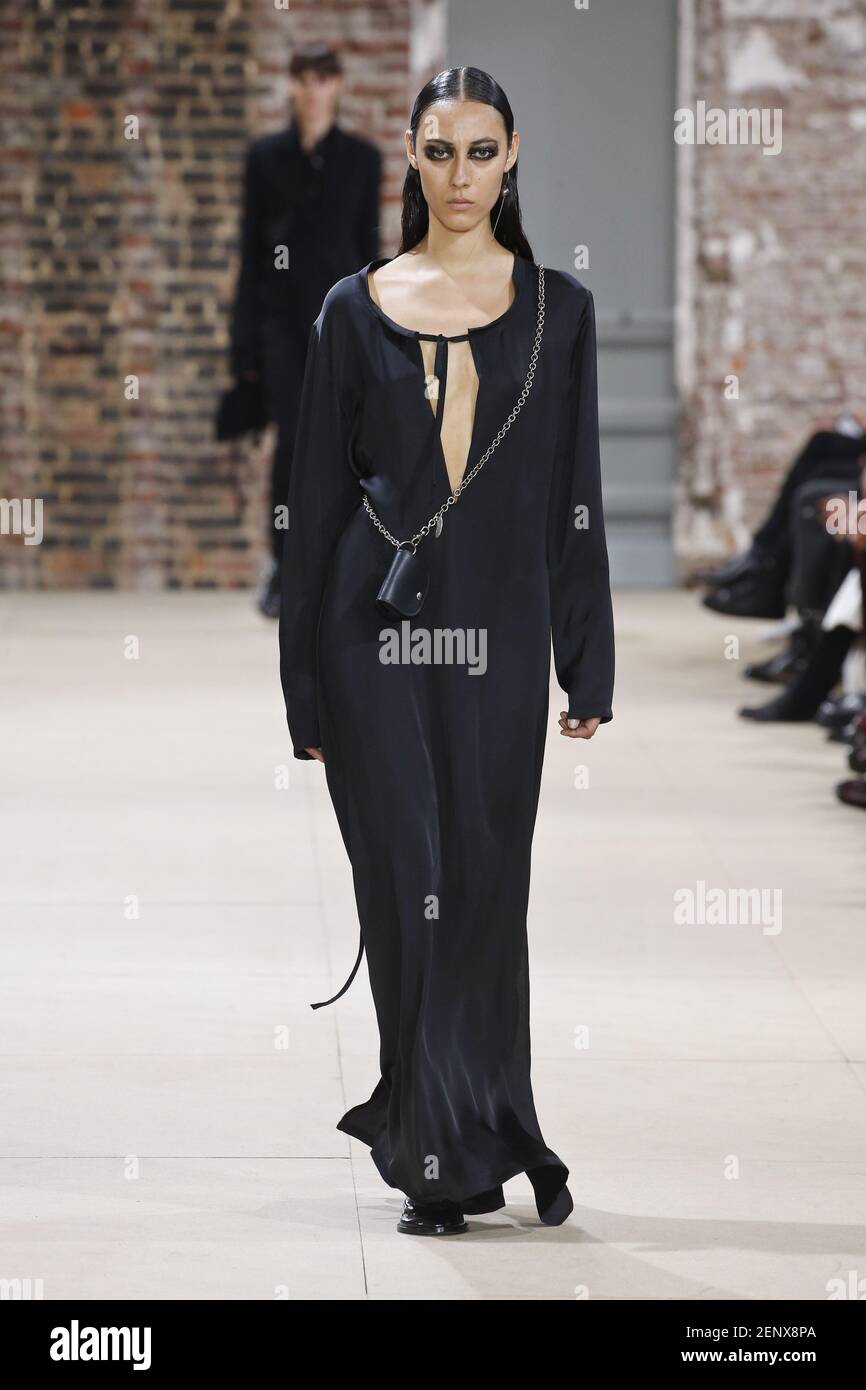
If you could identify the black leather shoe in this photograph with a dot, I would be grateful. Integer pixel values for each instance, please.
(776, 671)
(747, 563)
(782, 710)
(857, 759)
(788, 664)
(857, 756)
(846, 735)
(750, 597)
(853, 793)
(835, 713)
(431, 1219)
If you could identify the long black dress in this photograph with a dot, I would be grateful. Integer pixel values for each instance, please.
(434, 768)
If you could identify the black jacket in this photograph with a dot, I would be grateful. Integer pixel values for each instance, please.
(323, 205)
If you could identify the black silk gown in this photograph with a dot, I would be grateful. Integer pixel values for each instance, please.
(434, 766)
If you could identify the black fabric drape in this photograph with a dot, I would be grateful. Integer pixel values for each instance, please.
(434, 768)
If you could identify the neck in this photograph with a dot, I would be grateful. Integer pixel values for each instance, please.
(456, 251)
(311, 132)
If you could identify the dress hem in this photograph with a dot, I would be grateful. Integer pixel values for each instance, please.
(488, 1198)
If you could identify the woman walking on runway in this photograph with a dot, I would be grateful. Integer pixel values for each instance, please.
(445, 519)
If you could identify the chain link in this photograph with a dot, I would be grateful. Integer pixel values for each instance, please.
(467, 479)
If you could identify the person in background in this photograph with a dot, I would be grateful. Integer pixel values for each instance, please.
(752, 585)
(310, 217)
(785, 562)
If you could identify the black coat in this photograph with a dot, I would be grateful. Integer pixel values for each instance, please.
(323, 205)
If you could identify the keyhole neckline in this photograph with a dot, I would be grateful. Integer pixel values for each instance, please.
(374, 265)
(437, 417)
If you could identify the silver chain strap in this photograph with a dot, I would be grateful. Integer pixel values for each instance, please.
(467, 479)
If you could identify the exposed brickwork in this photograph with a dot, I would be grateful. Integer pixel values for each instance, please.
(120, 258)
(774, 283)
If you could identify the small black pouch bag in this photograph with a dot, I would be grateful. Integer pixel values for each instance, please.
(404, 587)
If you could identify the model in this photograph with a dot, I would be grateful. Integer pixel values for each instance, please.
(445, 518)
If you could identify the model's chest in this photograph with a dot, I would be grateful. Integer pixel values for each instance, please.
(451, 388)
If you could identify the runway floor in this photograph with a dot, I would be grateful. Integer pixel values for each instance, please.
(169, 910)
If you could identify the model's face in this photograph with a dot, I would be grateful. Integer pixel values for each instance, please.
(314, 97)
(461, 152)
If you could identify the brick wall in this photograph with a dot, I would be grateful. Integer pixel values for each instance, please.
(120, 258)
(772, 253)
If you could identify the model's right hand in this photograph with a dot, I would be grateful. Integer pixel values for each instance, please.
(315, 753)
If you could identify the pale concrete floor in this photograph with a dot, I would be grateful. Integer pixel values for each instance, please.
(169, 1099)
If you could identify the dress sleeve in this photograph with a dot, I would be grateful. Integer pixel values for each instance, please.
(323, 492)
(581, 608)
(244, 330)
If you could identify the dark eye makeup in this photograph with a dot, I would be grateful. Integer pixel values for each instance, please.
(437, 151)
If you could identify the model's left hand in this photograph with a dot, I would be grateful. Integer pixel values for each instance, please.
(577, 728)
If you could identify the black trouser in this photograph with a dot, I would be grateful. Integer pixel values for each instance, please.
(824, 668)
(284, 349)
(819, 561)
(827, 455)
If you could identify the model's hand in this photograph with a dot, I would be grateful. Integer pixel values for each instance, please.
(315, 753)
(577, 728)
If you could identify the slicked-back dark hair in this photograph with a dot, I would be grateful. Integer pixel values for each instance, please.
(463, 84)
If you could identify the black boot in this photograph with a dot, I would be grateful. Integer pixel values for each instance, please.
(788, 664)
(431, 1219)
(800, 701)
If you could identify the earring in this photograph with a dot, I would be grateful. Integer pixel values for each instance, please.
(503, 196)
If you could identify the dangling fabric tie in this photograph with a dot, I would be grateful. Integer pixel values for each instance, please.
(440, 367)
(324, 1002)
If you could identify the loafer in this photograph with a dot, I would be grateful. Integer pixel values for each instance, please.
(748, 598)
(749, 562)
(846, 735)
(857, 757)
(782, 710)
(836, 713)
(431, 1219)
(786, 665)
(853, 793)
(777, 670)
